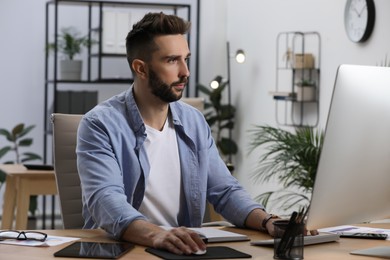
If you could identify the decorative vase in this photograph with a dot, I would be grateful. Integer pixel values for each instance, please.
(306, 93)
(70, 69)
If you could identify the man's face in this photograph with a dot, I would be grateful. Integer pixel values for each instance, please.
(168, 71)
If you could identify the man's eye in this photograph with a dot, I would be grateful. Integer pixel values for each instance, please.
(172, 60)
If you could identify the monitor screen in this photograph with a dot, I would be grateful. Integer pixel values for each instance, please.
(353, 176)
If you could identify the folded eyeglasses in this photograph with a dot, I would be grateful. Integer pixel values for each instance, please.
(22, 235)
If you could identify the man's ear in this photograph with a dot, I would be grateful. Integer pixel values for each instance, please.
(140, 68)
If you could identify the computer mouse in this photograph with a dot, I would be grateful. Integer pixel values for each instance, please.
(200, 252)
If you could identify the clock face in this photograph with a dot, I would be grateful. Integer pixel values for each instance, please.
(359, 19)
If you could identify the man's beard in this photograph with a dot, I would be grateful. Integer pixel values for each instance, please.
(162, 90)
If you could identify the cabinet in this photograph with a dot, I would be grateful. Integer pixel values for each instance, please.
(297, 88)
(105, 68)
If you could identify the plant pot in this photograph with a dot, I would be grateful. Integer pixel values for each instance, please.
(306, 93)
(70, 69)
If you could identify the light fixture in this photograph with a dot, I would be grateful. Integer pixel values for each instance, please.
(217, 81)
(240, 56)
(214, 84)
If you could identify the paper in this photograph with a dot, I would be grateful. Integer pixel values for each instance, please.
(50, 241)
(355, 229)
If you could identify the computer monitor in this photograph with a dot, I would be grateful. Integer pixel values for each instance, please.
(353, 176)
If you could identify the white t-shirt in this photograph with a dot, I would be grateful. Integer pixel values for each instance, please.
(163, 194)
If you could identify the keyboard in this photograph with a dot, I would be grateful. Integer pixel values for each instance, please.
(307, 240)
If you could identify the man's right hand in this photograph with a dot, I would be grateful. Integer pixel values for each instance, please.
(178, 240)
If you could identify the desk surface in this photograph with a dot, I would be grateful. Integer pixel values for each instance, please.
(334, 250)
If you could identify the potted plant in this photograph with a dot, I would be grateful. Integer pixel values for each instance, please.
(306, 90)
(69, 44)
(220, 117)
(292, 159)
(17, 138)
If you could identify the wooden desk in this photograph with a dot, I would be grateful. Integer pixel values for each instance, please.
(19, 185)
(334, 250)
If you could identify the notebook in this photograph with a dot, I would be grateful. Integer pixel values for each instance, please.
(307, 240)
(218, 235)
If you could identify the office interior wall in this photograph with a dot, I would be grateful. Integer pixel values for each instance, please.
(251, 25)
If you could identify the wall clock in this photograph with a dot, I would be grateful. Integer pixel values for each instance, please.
(359, 19)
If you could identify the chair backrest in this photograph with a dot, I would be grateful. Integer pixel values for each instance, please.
(65, 166)
(196, 102)
(210, 214)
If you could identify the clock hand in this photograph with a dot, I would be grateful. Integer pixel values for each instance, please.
(361, 11)
(356, 11)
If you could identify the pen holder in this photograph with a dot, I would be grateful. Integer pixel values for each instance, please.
(288, 240)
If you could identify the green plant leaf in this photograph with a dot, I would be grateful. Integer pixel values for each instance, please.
(30, 157)
(291, 158)
(15, 135)
(204, 89)
(6, 133)
(219, 116)
(3, 175)
(25, 131)
(227, 146)
(228, 125)
(17, 130)
(227, 112)
(25, 142)
(70, 43)
(5, 150)
(212, 120)
(33, 204)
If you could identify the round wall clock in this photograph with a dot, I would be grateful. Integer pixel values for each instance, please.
(359, 19)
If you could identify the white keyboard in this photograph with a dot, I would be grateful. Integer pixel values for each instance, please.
(307, 240)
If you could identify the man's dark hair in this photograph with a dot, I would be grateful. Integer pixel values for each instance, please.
(140, 40)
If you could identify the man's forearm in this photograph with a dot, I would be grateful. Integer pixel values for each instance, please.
(141, 232)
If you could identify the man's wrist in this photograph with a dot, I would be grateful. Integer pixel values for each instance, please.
(268, 217)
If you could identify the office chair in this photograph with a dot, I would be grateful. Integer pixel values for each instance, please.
(65, 167)
(210, 214)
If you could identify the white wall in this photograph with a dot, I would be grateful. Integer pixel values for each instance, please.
(251, 25)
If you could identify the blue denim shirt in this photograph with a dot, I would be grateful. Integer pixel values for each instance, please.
(114, 167)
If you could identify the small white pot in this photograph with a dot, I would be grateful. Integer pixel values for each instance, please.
(306, 93)
(70, 69)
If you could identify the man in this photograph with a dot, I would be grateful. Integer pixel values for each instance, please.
(148, 160)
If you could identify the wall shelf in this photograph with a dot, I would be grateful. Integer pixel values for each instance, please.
(297, 61)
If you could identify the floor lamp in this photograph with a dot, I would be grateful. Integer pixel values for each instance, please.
(216, 82)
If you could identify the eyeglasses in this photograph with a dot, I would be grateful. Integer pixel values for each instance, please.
(22, 235)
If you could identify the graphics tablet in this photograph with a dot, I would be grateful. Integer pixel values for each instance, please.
(94, 250)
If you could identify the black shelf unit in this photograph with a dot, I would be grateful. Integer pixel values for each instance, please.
(95, 56)
(298, 59)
